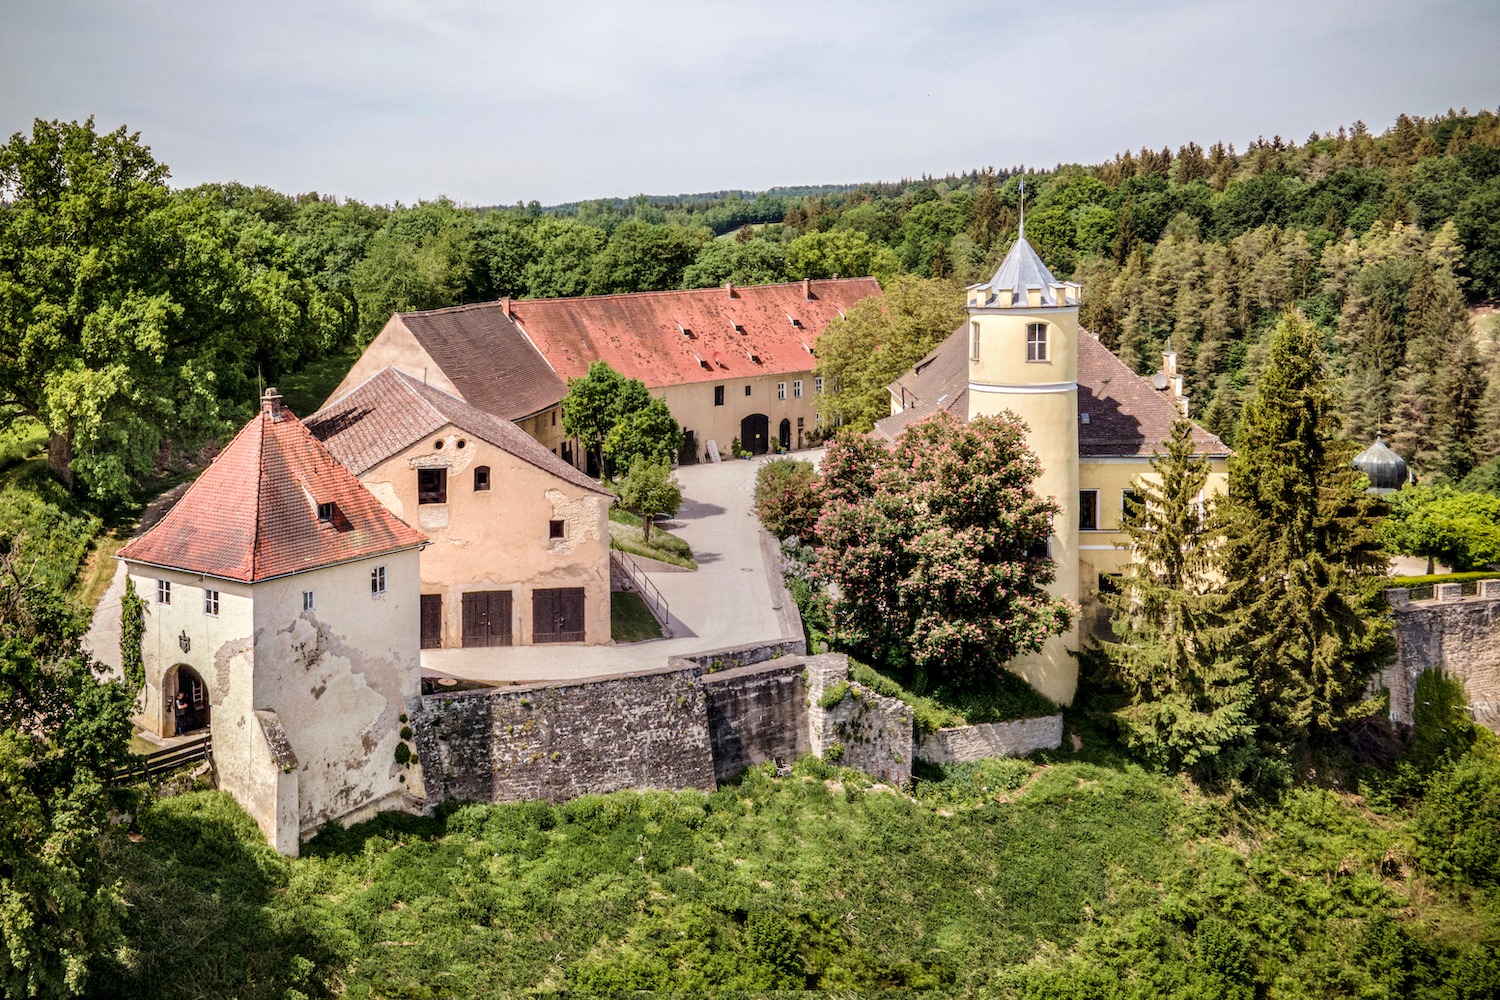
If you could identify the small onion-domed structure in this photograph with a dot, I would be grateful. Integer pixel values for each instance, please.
(1385, 469)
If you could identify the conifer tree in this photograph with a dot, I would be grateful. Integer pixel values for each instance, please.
(1303, 563)
(1188, 692)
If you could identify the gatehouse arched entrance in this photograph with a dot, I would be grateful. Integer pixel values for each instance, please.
(754, 433)
(196, 715)
(786, 435)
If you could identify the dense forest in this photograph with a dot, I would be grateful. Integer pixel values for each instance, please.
(1384, 241)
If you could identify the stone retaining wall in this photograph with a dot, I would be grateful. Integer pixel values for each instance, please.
(1459, 637)
(991, 739)
(755, 714)
(866, 731)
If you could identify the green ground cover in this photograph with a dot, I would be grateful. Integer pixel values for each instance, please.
(625, 534)
(306, 389)
(1010, 698)
(629, 618)
(1007, 878)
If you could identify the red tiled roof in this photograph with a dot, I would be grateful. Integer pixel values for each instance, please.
(490, 362)
(1127, 415)
(391, 410)
(641, 334)
(253, 514)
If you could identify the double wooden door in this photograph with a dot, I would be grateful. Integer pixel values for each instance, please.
(557, 615)
(487, 618)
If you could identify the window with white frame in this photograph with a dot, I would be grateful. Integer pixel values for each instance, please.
(164, 592)
(781, 390)
(211, 603)
(818, 384)
(797, 389)
(1088, 510)
(973, 341)
(309, 601)
(1036, 341)
(377, 581)
(1130, 503)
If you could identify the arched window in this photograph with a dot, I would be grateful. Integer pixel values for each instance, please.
(481, 478)
(1036, 341)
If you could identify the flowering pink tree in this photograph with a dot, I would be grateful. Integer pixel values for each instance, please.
(936, 548)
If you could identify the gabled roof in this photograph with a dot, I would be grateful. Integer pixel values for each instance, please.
(700, 335)
(1127, 416)
(489, 361)
(1023, 269)
(253, 514)
(391, 411)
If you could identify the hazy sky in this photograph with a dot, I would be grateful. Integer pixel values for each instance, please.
(490, 101)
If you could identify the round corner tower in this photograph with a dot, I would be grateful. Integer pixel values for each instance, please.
(1023, 357)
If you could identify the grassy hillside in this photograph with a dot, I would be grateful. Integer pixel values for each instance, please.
(1008, 878)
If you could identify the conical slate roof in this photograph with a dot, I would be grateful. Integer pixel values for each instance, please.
(1384, 468)
(253, 514)
(1022, 269)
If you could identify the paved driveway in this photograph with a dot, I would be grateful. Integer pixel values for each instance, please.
(727, 602)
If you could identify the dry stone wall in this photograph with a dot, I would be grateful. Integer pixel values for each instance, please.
(1459, 637)
(860, 729)
(991, 739)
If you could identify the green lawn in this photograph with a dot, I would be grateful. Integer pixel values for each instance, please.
(629, 618)
(306, 389)
(1004, 878)
(1010, 698)
(625, 534)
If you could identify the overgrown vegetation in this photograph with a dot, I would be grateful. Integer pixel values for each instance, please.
(1001, 878)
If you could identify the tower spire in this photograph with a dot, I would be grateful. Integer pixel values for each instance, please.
(1023, 208)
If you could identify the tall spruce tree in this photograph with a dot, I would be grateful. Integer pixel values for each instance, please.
(1188, 695)
(1303, 563)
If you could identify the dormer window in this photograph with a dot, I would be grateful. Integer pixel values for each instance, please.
(1036, 341)
(325, 513)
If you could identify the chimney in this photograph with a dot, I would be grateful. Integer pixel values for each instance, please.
(729, 287)
(807, 289)
(1169, 362)
(270, 404)
(505, 304)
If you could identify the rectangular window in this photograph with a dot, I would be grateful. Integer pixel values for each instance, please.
(555, 529)
(973, 341)
(481, 478)
(1130, 503)
(211, 603)
(377, 581)
(325, 512)
(432, 486)
(164, 592)
(1036, 341)
(797, 389)
(747, 390)
(718, 395)
(818, 384)
(309, 602)
(781, 390)
(1088, 510)
(554, 418)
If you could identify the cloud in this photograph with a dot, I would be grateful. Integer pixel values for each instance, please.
(490, 102)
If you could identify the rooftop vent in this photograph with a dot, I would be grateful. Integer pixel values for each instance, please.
(794, 321)
(807, 347)
(737, 327)
(684, 330)
(754, 358)
(700, 361)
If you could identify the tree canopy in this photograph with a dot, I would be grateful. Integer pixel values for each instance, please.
(618, 420)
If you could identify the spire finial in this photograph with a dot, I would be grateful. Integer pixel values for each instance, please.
(1023, 208)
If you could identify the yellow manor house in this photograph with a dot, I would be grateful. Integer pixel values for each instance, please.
(1092, 423)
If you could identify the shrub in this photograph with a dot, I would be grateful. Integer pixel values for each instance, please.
(786, 499)
(1458, 825)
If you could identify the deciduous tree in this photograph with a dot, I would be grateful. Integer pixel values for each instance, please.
(933, 548)
(649, 488)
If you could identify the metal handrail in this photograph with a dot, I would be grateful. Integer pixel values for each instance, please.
(653, 597)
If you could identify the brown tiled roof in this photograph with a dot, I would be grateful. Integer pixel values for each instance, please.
(391, 410)
(641, 334)
(489, 361)
(1127, 415)
(253, 514)
(939, 381)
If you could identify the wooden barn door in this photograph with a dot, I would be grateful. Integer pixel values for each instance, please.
(557, 615)
(487, 618)
(432, 621)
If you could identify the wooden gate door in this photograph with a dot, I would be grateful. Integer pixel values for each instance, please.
(557, 615)
(432, 621)
(487, 618)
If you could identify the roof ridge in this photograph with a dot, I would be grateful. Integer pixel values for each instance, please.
(621, 295)
(260, 490)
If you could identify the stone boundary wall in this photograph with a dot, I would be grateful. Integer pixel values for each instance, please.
(557, 741)
(991, 739)
(756, 713)
(1459, 637)
(866, 731)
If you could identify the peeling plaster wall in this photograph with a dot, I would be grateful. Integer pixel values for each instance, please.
(498, 539)
(339, 678)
